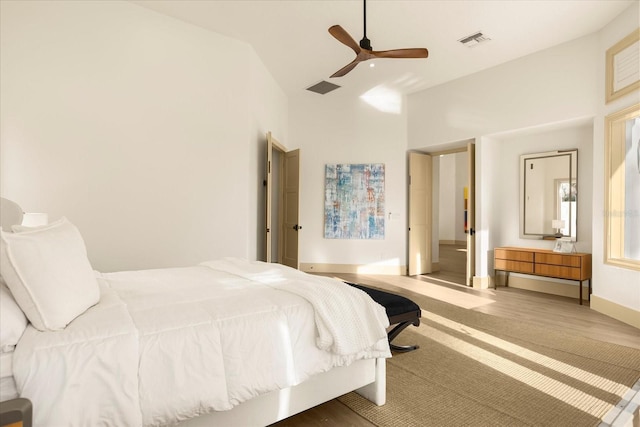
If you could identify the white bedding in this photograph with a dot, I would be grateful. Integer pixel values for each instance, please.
(7, 384)
(167, 345)
(6, 364)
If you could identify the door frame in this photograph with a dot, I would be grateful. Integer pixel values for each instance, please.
(469, 148)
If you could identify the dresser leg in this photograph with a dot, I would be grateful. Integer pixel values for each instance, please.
(580, 292)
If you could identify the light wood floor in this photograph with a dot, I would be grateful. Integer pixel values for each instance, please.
(550, 311)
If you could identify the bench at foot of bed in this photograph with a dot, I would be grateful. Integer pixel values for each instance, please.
(401, 312)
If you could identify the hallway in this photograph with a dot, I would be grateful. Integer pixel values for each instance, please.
(453, 264)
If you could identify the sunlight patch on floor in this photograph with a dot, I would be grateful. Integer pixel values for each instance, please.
(548, 362)
(432, 290)
(550, 386)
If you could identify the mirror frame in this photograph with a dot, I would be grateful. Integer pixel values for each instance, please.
(573, 159)
(616, 208)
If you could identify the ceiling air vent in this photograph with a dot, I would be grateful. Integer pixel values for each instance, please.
(323, 87)
(474, 39)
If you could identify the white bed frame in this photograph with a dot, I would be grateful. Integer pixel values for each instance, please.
(366, 377)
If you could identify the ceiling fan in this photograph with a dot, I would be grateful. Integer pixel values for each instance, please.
(364, 51)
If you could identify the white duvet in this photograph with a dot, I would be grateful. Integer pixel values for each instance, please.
(170, 344)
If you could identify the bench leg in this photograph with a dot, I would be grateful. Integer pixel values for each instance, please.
(394, 333)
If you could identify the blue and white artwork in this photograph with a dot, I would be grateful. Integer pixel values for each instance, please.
(354, 201)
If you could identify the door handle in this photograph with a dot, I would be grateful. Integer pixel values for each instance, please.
(297, 227)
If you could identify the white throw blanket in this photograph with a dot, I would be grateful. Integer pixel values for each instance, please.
(347, 322)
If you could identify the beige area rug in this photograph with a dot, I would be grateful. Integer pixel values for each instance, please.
(474, 369)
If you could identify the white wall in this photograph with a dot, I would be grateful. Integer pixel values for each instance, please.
(337, 128)
(614, 284)
(505, 199)
(561, 85)
(268, 107)
(550, 86)
(143, 130)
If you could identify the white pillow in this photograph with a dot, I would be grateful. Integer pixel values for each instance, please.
(12, 319)
(49, 274)
(22, 228)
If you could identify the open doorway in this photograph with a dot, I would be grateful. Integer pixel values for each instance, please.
(445, 245)
(450, 213)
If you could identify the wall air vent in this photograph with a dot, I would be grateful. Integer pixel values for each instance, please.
(474, 39)
(323, 87)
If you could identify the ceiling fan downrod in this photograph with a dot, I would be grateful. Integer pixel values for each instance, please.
(365, 43)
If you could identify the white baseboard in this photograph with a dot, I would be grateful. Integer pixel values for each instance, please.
(617, 311)
(481, 282)
(389, 270)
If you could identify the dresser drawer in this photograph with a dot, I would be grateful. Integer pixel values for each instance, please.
(557, 259)
(560, 272)
(513, 255)
(515, 266)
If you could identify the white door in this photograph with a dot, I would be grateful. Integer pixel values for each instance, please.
(420, 216)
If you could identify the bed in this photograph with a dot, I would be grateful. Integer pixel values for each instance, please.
(224, 342)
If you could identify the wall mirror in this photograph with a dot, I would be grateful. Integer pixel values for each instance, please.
(549, 195)
(622, 188)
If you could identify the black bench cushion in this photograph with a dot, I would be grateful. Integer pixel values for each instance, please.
(401, 312)
(394, 304)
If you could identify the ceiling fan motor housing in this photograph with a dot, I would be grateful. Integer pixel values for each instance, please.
(365, 43)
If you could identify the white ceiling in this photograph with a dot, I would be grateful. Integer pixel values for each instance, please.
(292, 40)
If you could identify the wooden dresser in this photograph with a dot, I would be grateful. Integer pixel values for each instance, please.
(543, 262)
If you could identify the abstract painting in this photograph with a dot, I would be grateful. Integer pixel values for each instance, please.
(354, 201)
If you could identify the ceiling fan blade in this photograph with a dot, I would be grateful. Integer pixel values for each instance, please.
(344, 70)
(343, 37)
(402, 53)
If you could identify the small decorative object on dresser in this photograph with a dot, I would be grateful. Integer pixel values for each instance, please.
(543, 262)
(565, 246)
